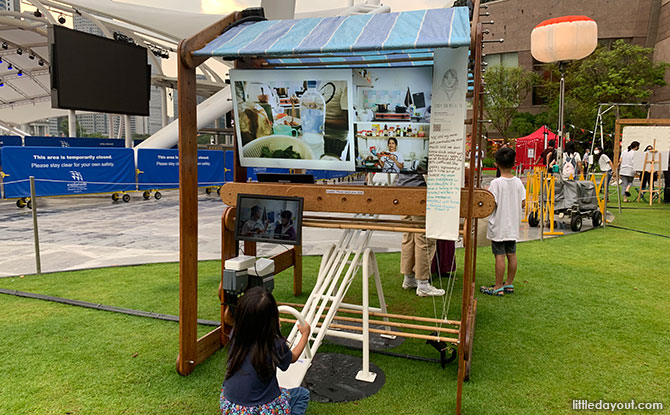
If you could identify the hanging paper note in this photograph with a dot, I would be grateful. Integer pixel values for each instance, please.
(445, 156)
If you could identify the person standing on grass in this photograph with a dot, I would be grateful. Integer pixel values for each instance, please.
(586, 162)
(605, 165)
(572, 163)
(256, 350)
(417, 251)
(627, 168)
(503, 230)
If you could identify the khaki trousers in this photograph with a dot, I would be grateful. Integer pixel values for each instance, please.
(416, 252)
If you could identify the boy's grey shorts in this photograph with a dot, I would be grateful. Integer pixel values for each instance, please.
(503, 247)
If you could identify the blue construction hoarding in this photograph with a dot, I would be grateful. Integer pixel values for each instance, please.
(159, 168)
(42, 141)
(73, 170)
(67, 171)
(10, 140)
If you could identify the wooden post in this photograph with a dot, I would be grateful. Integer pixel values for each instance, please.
(229, 248)
(297, 269)
(188, 216)
(36, 233)
(468, 238)
(190, 354)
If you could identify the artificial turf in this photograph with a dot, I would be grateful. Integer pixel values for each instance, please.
(589, 320)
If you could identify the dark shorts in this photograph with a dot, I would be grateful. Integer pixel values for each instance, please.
(503, 247)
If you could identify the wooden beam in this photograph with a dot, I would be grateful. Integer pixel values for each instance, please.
(362, 225)
(208, 344)
(228, 250)
(382, 315)
(188, 218)
(283, 260)
(398, 324)
(469, 228)
(297, 269)
(379, 331)
(380, 200)
(202, 38)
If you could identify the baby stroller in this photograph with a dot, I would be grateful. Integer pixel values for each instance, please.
(577, 200)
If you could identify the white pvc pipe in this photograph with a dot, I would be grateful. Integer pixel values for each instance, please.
(71, 123)
(129, 132)
(364, 374)
(164, 116)
(209, 110)
(295, 313)
(342, 334)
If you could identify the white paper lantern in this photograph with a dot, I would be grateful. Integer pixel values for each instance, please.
(564, 38)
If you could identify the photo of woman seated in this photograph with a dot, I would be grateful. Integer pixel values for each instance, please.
(284, 229)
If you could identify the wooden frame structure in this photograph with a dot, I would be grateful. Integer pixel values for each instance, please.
(618, 132)
(475, 203)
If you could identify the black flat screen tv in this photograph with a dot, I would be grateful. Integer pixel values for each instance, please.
(93, 73)
(285, 178)
(273, 219)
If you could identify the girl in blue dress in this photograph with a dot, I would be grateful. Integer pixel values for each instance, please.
(256, 350)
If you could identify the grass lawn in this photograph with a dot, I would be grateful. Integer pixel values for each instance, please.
(590, 320)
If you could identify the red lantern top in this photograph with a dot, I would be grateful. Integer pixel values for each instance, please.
(565, 19)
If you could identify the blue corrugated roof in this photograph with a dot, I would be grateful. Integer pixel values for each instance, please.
(346, 40)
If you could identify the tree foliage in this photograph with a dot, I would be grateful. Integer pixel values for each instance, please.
(624, 73)
(507, 88)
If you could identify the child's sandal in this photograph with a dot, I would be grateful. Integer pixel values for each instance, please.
(496, 292)
(509, 289)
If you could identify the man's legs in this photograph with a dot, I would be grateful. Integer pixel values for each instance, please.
(407, 260)
(424, 250)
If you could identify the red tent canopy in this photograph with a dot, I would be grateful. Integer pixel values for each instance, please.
(529, 148)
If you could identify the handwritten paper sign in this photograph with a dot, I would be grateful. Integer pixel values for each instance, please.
(447, 141)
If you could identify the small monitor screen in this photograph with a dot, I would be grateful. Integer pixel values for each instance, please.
(272, 219)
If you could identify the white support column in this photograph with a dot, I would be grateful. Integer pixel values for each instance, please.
(164, 114)
(110, 126)
(129, 134)
(71, 123)
(117, 133)
(364, 374)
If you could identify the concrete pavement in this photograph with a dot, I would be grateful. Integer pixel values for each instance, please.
(92, 231)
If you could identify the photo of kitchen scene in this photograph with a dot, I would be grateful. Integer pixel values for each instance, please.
(392, 147)
(392, 112)
(269, 219)
(294, 119)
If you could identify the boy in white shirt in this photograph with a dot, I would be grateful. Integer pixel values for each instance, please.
(503, 231)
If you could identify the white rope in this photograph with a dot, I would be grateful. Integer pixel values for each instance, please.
(15, 181)
(443, 315)
(113, 183)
